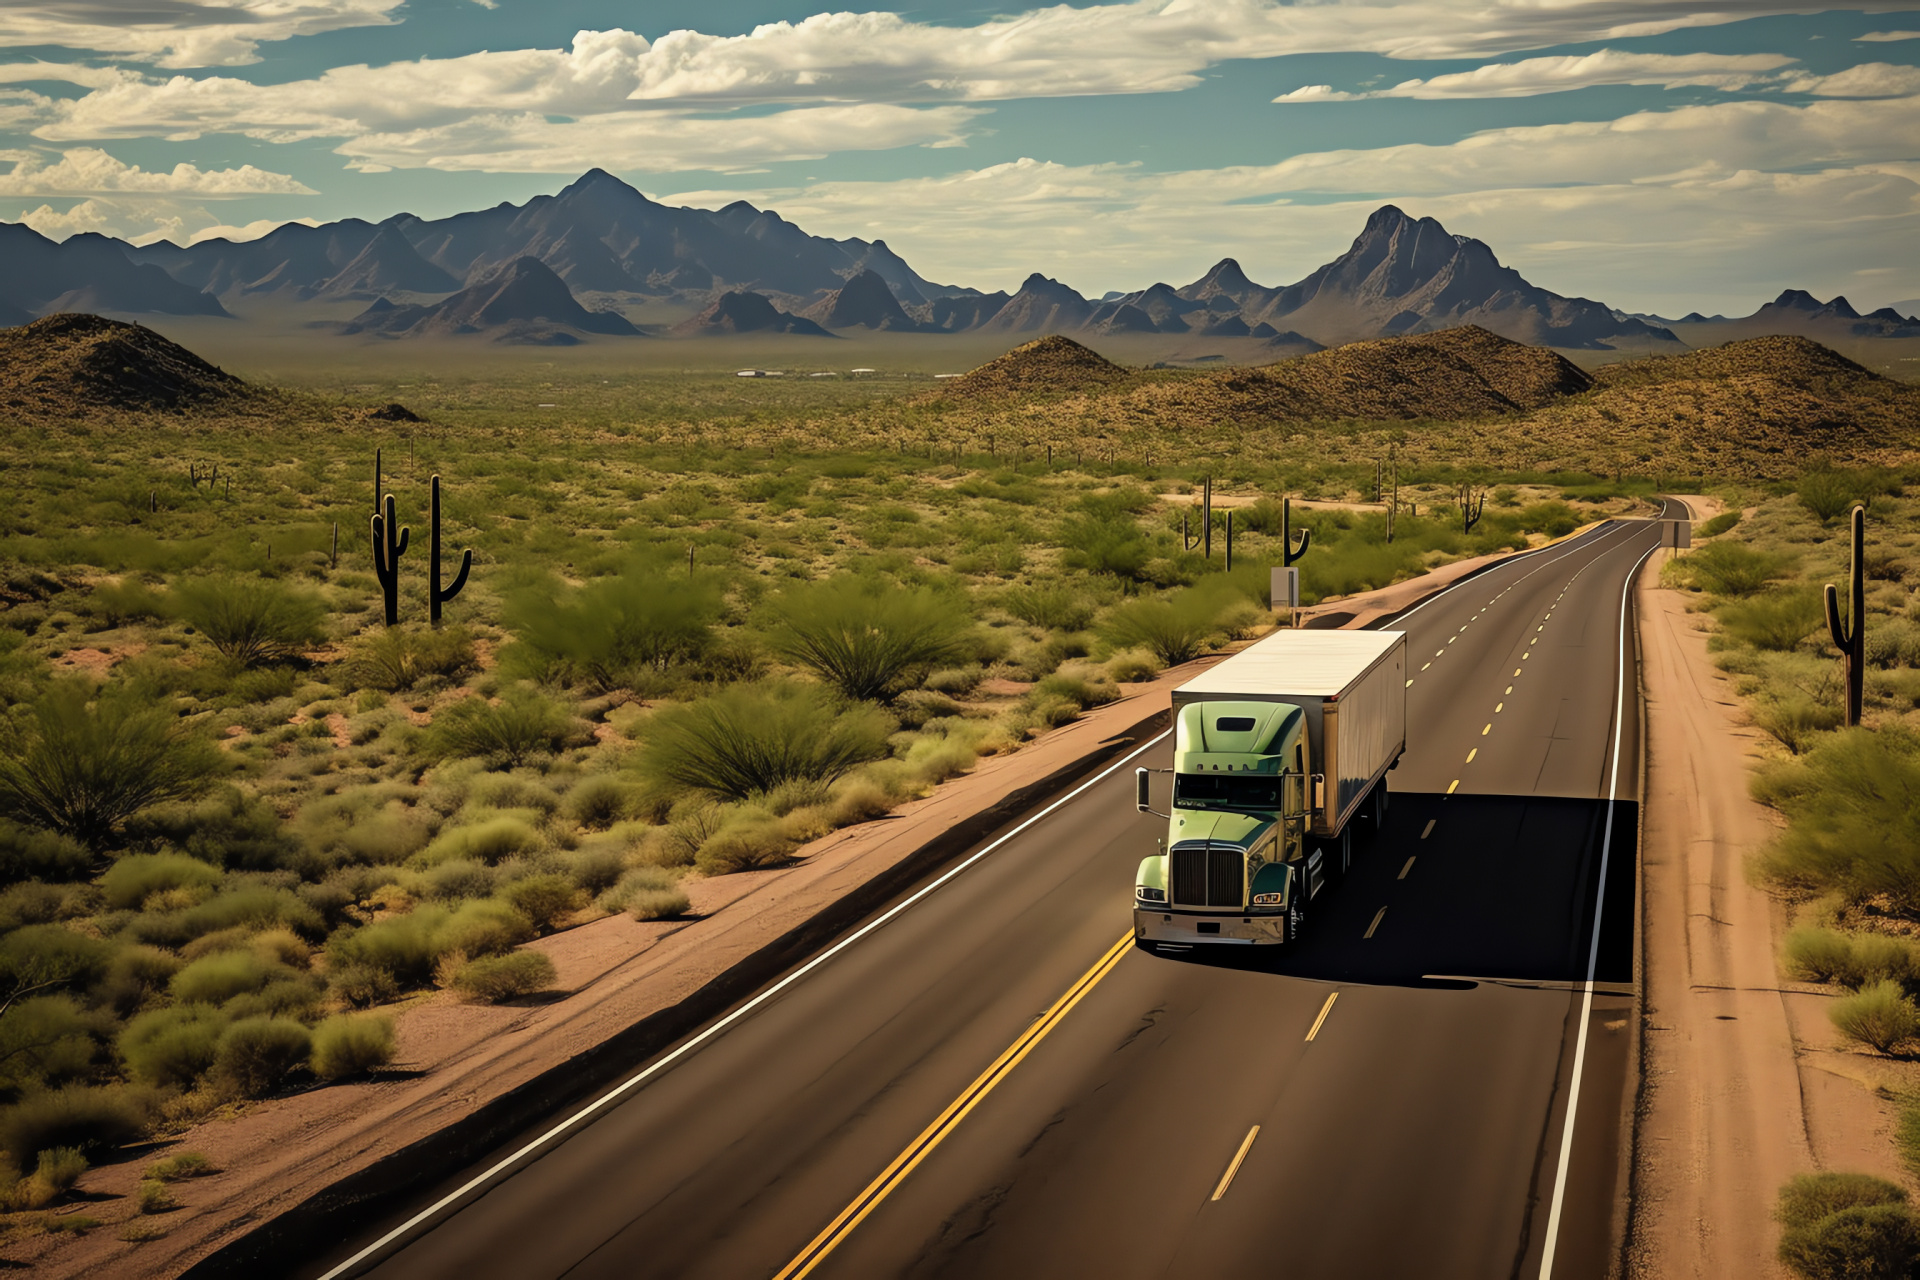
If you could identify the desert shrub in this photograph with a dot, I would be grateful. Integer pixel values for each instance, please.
(117, 603)
(253, 905)
(81, 765)
(1838, 1226)
(494, 978)
(1719, 524)
(172, 1046)
(51, 957)
(864, 636)
(251, 621)
(55, 1174)
(526, 724)
(957, 681)
(543, 899)
(31, 903)
(751, 738)
(290, 997)
(483, 927)
(639, 880)
(1879, 1015)
(129, 882)
(1105, 542)
(360, 985)
(608, 633)
(1828, 493)
(917, 706)
(1733, 568)
(1077, 689)
(181, 1166)
(402, 948)
(745, 844)
(46, 1040)
(134, 976)
(45, 855)
(1796, 720)
(1775, 620)
(1892, 643)
(1049, 608)
(351, 1044)
(1854, 809)
(458, 878)
(1555, 519)
(597, 864)
(598, 802)
(488, 841)
(397, 658)
(82, 1117)
(217, 978)
(1852, 960)
(156, 1197)
(254, 1054)
(1174, 631)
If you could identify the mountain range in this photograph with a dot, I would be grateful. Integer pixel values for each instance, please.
(563, 268)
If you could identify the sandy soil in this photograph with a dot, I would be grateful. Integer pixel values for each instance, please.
(1743, 1084)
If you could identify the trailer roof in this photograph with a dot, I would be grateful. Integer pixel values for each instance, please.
(1314, 663)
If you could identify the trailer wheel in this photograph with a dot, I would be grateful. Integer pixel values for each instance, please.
(1377, 807)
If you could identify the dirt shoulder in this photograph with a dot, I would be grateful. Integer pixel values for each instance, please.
(1742, 1084)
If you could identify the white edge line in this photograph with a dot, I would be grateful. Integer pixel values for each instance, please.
(479, 1181)
(1593, 950)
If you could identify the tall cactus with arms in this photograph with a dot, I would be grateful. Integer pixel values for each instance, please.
(435, 596)
(1852, 643)
(1286, 534)
(388, 547)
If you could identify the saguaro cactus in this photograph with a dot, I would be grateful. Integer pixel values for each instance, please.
(435, 596)
(1852, 642)
(1469, 509)
(376, 482)
(1229, 539)
(388, 547)
(1287, 549)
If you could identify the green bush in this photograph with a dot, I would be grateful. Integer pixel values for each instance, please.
(458, 878)
(1828, 493)
(255, 905)
(47, 1039)
(133, 879)
(59, 1168)
(172, 1046)
(1839, 1226)
(1880, 1015)
(81, 765)
(1719, 524)
(526, 724)
(1852, 960)
(351, 1044)
(50, 957)
(252, 621)
(1049, 608)
(45, 855)
(156, 1197)
(494, 978)
(256, 1053)
(1733, 568)
(865, 636)
(749, 739)
(609, 633)
(397, 658)
(598, 802)
(487, 841)
(1854, 809)
(543, 899)
(1796, 720)
(1174, 631)
(483, 928)
(1776, 621)
(647, 893)
(217, 978)
(83, 1117)
(1108, 543)
(180, 1166)
(404, 948)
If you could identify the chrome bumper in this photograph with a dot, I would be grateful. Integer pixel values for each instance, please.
(1183, 928)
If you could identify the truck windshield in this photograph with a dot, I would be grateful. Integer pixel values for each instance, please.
(1226, 790)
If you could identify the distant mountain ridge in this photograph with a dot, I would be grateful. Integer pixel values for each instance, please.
(601, 240)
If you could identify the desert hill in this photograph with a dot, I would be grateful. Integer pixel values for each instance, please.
(1798, 312)
(1045, 366)
(523, 302)
(864, 302)
(71, 365)
(746, 312)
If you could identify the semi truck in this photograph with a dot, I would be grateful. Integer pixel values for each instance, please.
(1280, 753)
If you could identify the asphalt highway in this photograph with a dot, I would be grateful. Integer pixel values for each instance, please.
(997, 1083)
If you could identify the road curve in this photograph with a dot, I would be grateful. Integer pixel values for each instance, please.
(1092, 1110)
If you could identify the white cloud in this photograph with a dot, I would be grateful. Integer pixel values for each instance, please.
(1881, 37)
(63, 72)
(182, 33)
(1868, 80)
(1711, 207)
(1533, 76)
(88, 171)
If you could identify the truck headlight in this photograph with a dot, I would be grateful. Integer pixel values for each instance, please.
(1268, 899)
(1150, 895)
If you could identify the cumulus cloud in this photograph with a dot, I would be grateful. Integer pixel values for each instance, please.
(1534, 76)
(1717, 203)
(89, 171)
(63, 72)
(182, 33)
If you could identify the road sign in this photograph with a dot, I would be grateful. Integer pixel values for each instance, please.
(1286, 589)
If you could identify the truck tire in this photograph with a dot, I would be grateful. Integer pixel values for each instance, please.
(1377, 808)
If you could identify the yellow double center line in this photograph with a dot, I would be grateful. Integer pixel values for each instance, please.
(936, 1133)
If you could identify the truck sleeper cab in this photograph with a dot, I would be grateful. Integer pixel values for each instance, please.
(1263, 793)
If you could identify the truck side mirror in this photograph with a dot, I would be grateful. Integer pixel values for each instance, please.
(1293, 794)
(1142, 796)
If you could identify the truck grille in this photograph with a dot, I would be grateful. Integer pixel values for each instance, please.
(1208, 877)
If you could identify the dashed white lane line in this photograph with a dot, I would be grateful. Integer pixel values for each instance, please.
(1378, 916)
(1404, 870)
(1429, 830)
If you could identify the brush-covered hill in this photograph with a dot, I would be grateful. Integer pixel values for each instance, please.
(1760, 407)
(76, 365)
(1052, 365)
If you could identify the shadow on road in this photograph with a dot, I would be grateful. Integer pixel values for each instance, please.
(1501, 887)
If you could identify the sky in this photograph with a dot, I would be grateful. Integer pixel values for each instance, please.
(1658, 158)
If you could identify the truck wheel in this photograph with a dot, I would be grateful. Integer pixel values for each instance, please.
(1377, 808)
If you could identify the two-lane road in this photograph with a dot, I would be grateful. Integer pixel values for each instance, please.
(990, 1085)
